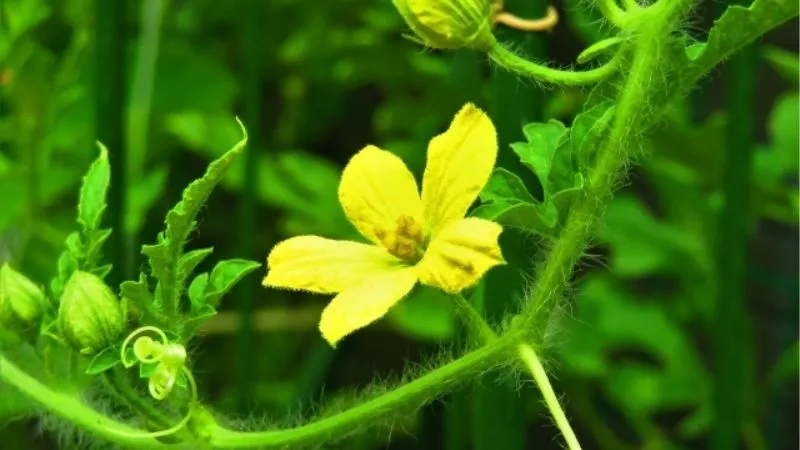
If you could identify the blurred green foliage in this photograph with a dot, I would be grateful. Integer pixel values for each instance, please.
(337, 76)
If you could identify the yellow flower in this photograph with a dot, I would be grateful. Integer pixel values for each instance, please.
(415, 238)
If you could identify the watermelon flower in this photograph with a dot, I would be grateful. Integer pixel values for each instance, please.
(414, 238)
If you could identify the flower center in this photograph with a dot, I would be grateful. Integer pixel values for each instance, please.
(405, 241)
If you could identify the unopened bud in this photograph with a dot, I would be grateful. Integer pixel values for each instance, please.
(89, 316)
(447, 24)
(21, 301)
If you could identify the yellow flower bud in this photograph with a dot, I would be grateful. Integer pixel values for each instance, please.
(89, 316)
(447, 24)
(21, 301)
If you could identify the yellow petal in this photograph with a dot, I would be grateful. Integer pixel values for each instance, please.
(326, 266)
(360, 306)
(377, 191)
(461, 254)
(460, 161)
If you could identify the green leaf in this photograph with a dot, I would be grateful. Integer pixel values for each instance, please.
(506, 201)
(104, 360)
(180, 221)
(189, 262)
(92, 200)
(539, 153)
(735, 25)
(197, 290)
(224, 277)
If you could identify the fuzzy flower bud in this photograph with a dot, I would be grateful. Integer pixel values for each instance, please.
(21, 301)
(447, 24)
(89, 316)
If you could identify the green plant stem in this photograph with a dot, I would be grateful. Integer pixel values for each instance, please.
(612, 12)
(630, 111)
(732, 380)
(475, 323)
(142, 90)
(117, 381)
(406, 397)
(512, 62)
(74, 410)
(473, 320)
(534, 365)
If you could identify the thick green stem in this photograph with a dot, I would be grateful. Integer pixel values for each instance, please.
(72, 409)
(630, 111)
(408, 396)
(531, 360)
(116, 380)
(512, 62)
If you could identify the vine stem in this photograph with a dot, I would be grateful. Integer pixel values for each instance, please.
(478, 326)
(512, 62)
(72, 409)
(531, 360)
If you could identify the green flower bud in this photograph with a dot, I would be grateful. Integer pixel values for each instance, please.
(89, 316)
(21, 301)
(447, 24)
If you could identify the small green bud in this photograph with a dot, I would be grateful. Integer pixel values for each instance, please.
(447, 24)
(21, 301)
(89, 316)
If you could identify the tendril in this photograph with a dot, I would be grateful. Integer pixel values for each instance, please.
(546, 23)
(171, 360)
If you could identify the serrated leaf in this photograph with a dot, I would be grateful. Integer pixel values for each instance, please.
(189, 262)
(539, 152)
(224, 277)
(180, 221)
(738, 25)
(92, 201)
(104, 360)
(598, 48)
(197, 290)
(506, 201)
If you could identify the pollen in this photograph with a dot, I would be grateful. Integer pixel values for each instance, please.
(405, 241)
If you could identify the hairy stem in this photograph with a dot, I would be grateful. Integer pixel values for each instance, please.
(475, 323)
(406, 397)
(512, 62)
(117, 381)
(630, 111)
(72, 409)
(534, 365)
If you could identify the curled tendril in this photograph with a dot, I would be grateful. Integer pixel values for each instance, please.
(546, 23)
(171, 360)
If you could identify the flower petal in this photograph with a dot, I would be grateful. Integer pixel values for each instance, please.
(461, 254)
(326, 266)
(460, 161)
(376, 189)
(360, 306)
